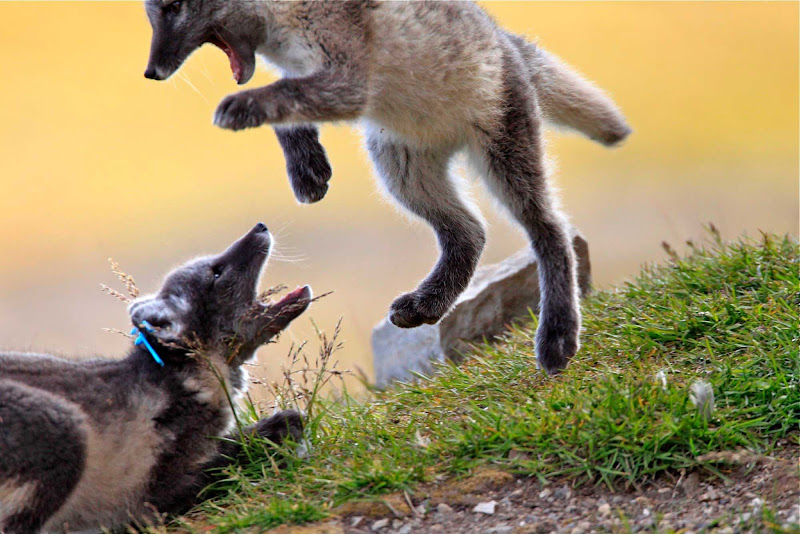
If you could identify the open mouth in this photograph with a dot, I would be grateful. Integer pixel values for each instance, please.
(235, 61)
(293, 303)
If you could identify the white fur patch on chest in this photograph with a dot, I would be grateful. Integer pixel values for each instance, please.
(294, 58)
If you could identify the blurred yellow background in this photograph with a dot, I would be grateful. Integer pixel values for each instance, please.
(97, 162)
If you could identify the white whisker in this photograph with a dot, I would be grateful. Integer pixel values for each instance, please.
(190, 84)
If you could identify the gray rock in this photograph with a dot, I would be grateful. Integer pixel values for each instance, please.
(498, 295)
(399, 352)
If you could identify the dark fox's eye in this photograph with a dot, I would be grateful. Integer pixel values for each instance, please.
(174, 7)
(216, 270)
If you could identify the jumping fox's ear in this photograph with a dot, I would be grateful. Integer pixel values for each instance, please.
(157, 317)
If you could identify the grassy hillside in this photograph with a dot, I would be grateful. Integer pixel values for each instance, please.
(620, 416)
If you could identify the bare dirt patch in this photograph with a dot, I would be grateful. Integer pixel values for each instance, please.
(754, 493)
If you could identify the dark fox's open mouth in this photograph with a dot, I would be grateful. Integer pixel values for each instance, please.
(236, 61)
(292, 304)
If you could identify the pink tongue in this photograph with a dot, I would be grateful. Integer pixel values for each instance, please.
(294, 294)
(236, 66)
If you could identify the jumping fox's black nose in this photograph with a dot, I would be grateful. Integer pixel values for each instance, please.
(261, 227)
(150, 73)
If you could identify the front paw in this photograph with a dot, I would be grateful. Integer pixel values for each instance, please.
(279, 427)
(309, 175)
(240, 111)
(308, 192)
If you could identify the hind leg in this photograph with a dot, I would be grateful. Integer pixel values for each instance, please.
(42, 457)
(511, 158)
(418, 179)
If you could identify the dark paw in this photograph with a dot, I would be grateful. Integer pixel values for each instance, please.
(283, 425)
(557, 340)
(309, 178)
(309, 172)
(240, 111)
(309, 192)
(412, 310)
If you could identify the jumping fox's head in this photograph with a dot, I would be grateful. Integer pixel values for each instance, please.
(210, 303)
(182, 26)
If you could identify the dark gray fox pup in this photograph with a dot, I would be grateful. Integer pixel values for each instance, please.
(103, 443)
(426, 79)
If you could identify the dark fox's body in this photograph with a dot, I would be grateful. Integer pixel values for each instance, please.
(427, 80)
(103, 443)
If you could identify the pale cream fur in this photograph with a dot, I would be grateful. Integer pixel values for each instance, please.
(119, 458)
(14, 496)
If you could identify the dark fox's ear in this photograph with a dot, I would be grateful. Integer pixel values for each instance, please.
(157, 318)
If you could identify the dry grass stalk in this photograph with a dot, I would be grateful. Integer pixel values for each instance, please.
(303, 380)
(130, 283)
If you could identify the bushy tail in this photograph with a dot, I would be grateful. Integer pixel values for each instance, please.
(569, 100)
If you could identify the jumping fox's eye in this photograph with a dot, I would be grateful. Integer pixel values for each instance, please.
(174, 7)
(216, 271)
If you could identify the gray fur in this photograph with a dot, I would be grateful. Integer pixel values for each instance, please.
(103, 443)
(427, 79)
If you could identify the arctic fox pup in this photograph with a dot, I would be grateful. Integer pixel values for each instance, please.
(102, 443)
(427, 79)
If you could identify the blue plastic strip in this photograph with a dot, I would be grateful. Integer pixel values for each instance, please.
(141, 340)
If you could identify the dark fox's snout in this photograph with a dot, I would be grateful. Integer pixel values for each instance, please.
(252, 249)
(151, 73)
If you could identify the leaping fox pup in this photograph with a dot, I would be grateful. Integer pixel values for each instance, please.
(426, 79)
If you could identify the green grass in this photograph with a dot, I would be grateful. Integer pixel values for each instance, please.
(727, 314)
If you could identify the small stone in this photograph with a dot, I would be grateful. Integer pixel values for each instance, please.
(485, 508)
(604, 510)
(539, 527)
(646, 512)
(397, 523)
(710, 495)
(562, 493)
(545, 493)
(443, 508)
(356, 520)
(379, 524)
(406, 529)
(500, 529)
(793, 515)
(581, 528)
(691, 484)
(757, 504)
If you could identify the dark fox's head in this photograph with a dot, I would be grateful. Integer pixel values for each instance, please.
(182, 26)
(210, 304)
